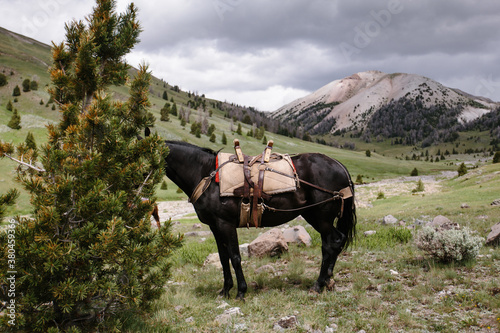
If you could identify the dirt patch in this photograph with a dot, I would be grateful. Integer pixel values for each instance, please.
(367, 193)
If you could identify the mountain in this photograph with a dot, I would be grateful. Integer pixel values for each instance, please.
(350, 103)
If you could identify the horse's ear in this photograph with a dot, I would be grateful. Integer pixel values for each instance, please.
(147, 132)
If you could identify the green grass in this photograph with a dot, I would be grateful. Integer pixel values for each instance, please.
(423, 295)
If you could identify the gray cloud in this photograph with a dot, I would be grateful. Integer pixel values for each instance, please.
(246, 48)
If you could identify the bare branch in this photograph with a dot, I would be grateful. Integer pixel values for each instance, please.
(139, 190)
(29, 165)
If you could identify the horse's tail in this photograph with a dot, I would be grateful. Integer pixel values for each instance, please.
(346, 223)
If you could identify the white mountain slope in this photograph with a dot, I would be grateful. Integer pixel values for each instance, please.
(352, 100)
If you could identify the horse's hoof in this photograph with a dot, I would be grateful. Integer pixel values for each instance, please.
(330, 285)
(316, 289)
(240, 297)
(223, 293)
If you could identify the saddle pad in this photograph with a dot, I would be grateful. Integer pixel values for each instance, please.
(231, 175)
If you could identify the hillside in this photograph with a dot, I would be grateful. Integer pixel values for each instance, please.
(349, 103)
(33, 60)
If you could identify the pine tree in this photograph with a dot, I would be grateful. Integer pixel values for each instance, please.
(462, 169)
(3, 80)
(16, 91)
(164, 112)
(26, 85)
(224, 139)
(34, 85)
(7, 199)
(173, 110)
(496, 157)
(165, 96)
(88, 252)
(15, 121)
(9, 106)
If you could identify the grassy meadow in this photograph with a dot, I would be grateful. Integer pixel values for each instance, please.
(383, 283)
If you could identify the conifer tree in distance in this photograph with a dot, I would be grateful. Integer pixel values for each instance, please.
(15, 121)
(88, 253)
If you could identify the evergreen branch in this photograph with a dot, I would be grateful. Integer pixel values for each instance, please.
(29, 165)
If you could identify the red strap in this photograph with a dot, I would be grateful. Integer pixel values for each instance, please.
(216, 166)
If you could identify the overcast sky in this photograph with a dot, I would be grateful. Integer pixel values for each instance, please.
(267, 53)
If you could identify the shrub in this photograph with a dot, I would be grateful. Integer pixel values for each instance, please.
(449, 245)
(34, 85)
(15, 121)
(9, 106)
(26, 85)
(368, 153)
(414, 172)
(359, 179)
(496, 157)
(380, 195)
(16, 92)
(419, 188)
(3, 80)
(164, 185)
(462, 169)
(386, 238)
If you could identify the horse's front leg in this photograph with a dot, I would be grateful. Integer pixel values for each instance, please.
(224, 260)
(227, 242)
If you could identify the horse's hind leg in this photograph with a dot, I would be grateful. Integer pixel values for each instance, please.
(332, 244)
(227, 244)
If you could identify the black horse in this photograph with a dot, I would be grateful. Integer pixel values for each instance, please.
(335, 220)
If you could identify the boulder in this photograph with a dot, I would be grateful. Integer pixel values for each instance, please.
(494, 236)
(369, 232)
(438, 221)
(389, 219)
(297, 235)
(270, 243)
(464, 205)
(496, 202)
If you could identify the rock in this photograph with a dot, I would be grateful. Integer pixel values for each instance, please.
(213, 259)
(197, 226)
(197, 233)
(225, 318)
(393, 272)
(464, 205)
(369, 233)
(496, 202)
(270, 243)
(189, 320)
(286, 322)
(265, 268)
(331, 329)
(223, 305)
(438, 221)
(298, 235)
(441, 222)
(389, 219)
(244, 250)
(240, 327)
(494, 236)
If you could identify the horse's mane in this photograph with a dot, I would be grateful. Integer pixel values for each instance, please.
(189, 145)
